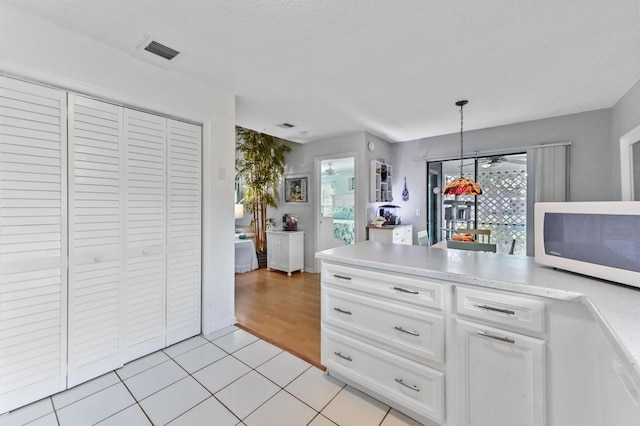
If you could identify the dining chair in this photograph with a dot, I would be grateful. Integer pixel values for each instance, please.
(468, 245)
(423, 237)
(477, 233)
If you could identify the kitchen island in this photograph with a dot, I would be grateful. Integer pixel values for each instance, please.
(572, 341)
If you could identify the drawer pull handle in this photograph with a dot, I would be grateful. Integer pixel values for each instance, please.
(412, 387)
(493, 336)
(348, 358)
(342, 311)
(342, 277)
(404, 290)
(494, 309)
(413, 333)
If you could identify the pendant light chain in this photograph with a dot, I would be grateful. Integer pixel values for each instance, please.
(461, 185)
(461, 143)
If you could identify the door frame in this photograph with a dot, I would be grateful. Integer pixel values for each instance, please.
(626, 164)
(317, 173)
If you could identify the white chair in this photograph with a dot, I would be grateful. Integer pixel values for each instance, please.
(423, 237)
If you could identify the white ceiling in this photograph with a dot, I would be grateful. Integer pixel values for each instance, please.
(393, 68)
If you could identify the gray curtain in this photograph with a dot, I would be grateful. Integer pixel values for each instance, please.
(547, 181)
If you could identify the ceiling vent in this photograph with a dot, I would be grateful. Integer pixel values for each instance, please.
(285, 125)
(161, 50)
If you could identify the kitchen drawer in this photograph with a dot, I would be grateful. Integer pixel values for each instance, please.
(420, 292)
(507, 310)
(418, 388)
(411, 332)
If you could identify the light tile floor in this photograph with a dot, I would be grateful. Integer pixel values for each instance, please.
(227, 378)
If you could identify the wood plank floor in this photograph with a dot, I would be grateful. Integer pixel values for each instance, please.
(284, 311)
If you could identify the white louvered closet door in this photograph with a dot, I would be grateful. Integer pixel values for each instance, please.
(32, 242)
(183, 230)
(145, 136)
(96, 247)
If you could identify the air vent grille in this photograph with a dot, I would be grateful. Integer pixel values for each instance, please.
(161, 50)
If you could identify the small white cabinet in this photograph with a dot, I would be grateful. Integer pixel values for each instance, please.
(399, 234)
(285, 251)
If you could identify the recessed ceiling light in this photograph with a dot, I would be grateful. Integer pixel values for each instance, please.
(285, 125)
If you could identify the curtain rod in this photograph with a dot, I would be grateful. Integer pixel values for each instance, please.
(505, 151)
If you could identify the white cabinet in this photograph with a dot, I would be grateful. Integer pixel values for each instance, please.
(501, 373)
(99, 238)
(97, 260)
(619, 395)
(285, 251)
(145, 140)
(184, 177)
(381, 180)
(384, 334)
(502, 377)
(398, 234)
(33, 243)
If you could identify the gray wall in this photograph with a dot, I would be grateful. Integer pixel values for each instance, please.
(590, 155)
(625, 116)
(594, 160)
(301, 162)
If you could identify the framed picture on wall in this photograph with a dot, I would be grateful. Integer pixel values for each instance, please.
(296, 189)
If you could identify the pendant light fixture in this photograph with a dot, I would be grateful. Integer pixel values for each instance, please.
(461, 185)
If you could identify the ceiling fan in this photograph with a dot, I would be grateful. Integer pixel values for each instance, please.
(497, 160)
(329, 171)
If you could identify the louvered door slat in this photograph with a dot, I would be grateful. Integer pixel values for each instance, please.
(96, 247)
(183, 245)
(32, 243)
(145, 136)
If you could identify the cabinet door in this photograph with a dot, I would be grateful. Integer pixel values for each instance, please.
(184, 171)
(277, 252)
(96, 245)
(33, 252)
(501, 377)
(382, 235)
(145, 139)
(619, 395)
(273, 246)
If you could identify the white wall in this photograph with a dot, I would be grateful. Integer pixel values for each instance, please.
(38, 51)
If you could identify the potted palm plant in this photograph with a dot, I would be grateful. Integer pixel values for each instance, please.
(259, 170)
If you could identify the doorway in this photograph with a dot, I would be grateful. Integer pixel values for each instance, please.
(336, 195)
(502, 207)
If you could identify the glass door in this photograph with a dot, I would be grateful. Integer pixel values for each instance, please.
(502, 207)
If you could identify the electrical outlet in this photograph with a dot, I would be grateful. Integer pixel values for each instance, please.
(417, 212)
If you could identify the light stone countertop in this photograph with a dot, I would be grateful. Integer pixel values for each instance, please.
(616, 307)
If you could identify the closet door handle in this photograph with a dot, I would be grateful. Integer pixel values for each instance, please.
(413, 333)
(412, 387)
(348, 358)
(342, 277)
(342, 311)
(404, 290)
(493, 336)
(494, 309)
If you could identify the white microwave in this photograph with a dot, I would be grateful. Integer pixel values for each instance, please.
(598, 239)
